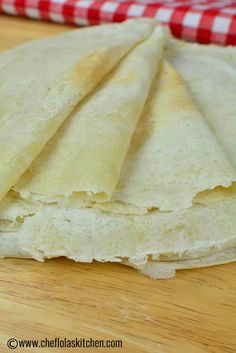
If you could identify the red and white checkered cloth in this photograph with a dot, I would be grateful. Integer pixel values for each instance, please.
(204, 21)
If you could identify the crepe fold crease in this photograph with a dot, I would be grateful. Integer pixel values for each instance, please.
(136, 162)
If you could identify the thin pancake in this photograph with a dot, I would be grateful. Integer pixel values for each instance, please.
(173, 155)
(161, 270)
(86, 154)
(210, 75)
(42, 81)
(86, 234)
(203, 234)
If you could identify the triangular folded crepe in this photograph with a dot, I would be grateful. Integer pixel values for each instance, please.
(42, 81)
(173, 155)
(86, 155)
(210, 75)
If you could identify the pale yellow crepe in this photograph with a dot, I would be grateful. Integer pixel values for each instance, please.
(210, 75)
(42, 81)
(11, 246)
(173, 154)
(13, 210)
(161, 269)
(86, 155)
(87, 235)
(193, 155)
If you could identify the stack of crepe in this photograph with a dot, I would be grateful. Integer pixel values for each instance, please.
(118, 143)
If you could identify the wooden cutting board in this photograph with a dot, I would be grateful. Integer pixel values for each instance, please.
(193, 313)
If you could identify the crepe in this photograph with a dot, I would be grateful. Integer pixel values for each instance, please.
(163, 270)
(181, 155)
(86, 155)
(153, 269)
(13, 210)
(42, 81)
(173, 155)
(87, 234)
(174, 205)
(210, 75)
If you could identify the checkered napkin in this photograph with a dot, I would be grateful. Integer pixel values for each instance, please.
(204, 21)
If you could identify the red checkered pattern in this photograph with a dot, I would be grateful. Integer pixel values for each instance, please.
(204, 21)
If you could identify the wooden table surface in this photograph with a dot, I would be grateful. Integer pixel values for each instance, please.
(193, 313)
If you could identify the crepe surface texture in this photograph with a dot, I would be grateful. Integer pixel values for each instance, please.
(143, 170)
(42, 81)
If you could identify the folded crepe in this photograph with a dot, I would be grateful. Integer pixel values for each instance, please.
(153, 189)
(181, 155)
(42, 81)
(85, 157)
(174, 155)
(210, 75)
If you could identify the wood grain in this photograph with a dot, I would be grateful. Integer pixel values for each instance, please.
(193, 313)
